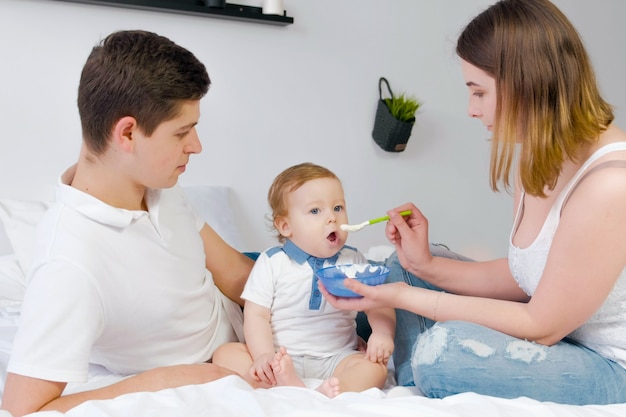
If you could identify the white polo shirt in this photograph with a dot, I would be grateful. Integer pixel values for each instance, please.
(282, 280)
(128, 290)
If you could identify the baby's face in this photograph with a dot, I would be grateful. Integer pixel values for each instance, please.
(316, 210)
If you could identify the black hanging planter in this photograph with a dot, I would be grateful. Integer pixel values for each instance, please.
(390, 133)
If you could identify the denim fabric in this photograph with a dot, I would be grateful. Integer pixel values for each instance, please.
(452, 357)
(409, 325)
(363, 328)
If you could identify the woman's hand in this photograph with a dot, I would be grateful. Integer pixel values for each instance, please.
(380, 296)
(409, 235)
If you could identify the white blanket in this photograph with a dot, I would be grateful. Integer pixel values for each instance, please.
(231, 396)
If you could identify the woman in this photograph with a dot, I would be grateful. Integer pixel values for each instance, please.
(548, 322)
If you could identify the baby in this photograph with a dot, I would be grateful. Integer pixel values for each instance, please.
(291, 331)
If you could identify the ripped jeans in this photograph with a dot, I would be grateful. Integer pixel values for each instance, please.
(452, 357)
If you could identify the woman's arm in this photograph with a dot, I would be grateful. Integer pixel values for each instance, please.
(409, 234)
(490, 279)
(586, 257)
(230, 268)
(509, 317)
(567, 296)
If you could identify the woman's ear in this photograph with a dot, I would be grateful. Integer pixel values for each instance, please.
(123, 132)
(282, 225)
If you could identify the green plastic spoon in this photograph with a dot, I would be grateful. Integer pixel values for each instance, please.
(357, 227)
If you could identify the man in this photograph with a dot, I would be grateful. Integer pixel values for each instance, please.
(126, 275)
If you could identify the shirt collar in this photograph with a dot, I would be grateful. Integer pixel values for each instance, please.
(295, 252)
(98, 210)
(300, 256)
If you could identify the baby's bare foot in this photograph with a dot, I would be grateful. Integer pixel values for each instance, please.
(284, 371)
(329, 387)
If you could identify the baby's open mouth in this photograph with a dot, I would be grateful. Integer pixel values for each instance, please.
(332, 237)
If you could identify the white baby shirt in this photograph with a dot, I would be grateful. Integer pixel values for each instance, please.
(283, 284)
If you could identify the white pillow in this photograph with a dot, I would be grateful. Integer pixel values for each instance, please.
(5, 245)
(20, 219)
(213, 204)
(11, 283)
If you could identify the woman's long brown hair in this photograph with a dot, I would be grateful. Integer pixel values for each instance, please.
(548, 100)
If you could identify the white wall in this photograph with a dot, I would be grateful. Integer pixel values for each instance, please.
(283, 95)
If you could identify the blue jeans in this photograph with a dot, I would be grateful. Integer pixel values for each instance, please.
(452, 357)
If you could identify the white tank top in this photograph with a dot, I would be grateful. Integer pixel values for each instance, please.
(605, 331)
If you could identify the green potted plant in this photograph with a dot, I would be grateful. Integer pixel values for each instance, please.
(402, 107)
(394, 121)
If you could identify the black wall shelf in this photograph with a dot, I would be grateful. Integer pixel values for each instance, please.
(197, 8)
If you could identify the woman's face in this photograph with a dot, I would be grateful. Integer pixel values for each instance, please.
(482, 88)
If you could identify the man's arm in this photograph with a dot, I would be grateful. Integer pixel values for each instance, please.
(24, 395)
(230, 268)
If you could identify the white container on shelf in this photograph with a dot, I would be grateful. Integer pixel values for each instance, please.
(273, 7)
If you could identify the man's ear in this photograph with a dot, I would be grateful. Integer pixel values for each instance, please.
(282, 225)
(123, 132)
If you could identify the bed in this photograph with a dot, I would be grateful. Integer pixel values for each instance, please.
(231, 396)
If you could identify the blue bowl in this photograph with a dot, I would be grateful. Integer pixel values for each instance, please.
(332, 277)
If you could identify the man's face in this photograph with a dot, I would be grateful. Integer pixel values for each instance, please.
(163, 156)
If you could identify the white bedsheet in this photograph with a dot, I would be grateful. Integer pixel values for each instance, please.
(231, 396)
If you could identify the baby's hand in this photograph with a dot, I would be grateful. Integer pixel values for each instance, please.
(379, 348)
(261, 369)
